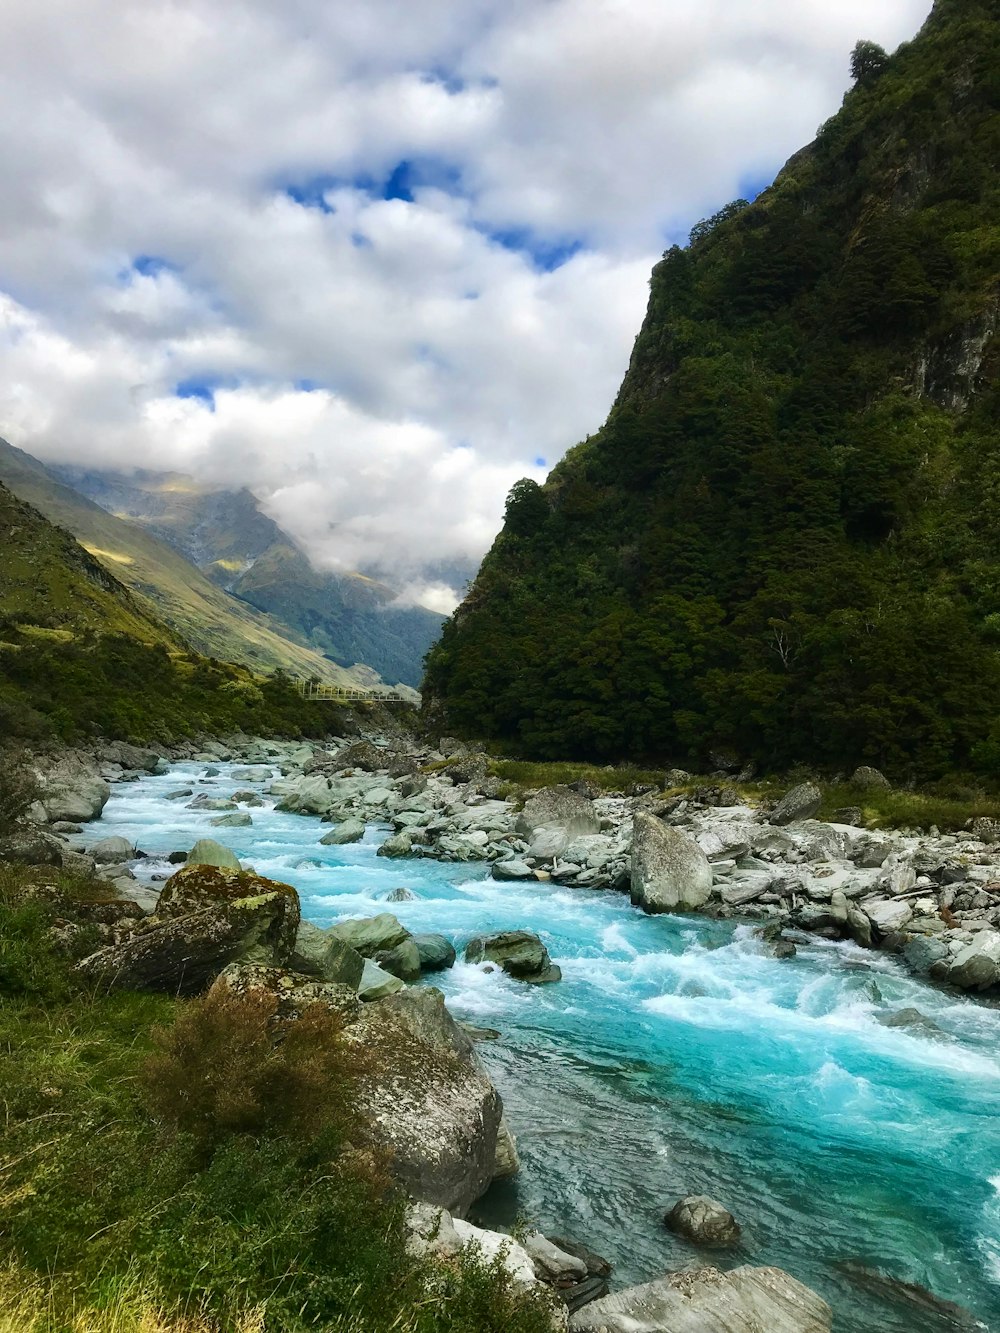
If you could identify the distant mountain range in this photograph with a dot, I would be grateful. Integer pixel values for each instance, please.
(225, 577)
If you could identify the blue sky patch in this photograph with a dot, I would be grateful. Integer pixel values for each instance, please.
(204, 387)
(150, 266)
(546, 255)
(753, 185)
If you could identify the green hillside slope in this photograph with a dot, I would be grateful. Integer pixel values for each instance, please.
(345, 616)
(205, 616)
(784, 540)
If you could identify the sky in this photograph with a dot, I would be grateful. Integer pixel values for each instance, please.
(374, 259)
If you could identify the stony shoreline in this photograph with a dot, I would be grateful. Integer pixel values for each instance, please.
(931, 899)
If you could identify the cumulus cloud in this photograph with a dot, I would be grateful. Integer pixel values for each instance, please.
(374, 261)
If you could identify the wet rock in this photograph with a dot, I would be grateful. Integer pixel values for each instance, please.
(670, 872)
(212, 803)
(801, 802)
(703, 1221)
(239, 819)
(247, 798)
(520, 953)
(403, 961)
(370, 935)
(179, 794)
(912, 1019)
(351, 830)
(513, 869)
(208, 852)
(506, 1163)
(914, 1298)
(596, 1264)
(318, 953)
(744, 1300)
(400, 896)
(977, 966)
(400, 844)
(552, 1264)
(436, 952)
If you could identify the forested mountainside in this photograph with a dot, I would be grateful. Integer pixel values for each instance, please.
(346, 616)
(784, 540)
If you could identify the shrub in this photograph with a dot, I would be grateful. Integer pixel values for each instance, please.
(230, 1065)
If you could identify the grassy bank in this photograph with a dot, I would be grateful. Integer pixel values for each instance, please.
(195, 1166)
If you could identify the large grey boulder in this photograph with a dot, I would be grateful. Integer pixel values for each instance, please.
(700, 1219)
(801, 802)
(887, 915)
(434, 1232)
(427, 1098)
(304, 795)
(208, 852)
(370, 934)
(744, 1300)
(182, 955)
(133, 757)
(870, 779)
(513, 869)
(71, 788)
(558, 807)
(319, 953)
(350, 830)
(977, 966)
(436, 952)
(403, 961)
(112, 851)
(376, 983)
(31, 846)
(670, 872)
(520, 953)
(399, 844)
(238, 819)
(294, 992)
(197, 886)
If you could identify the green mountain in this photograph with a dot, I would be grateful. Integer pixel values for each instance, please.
(83, 656)
(205, 616)
(349, 618)
(784, 540)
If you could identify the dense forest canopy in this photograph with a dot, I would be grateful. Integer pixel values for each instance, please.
(784, 540)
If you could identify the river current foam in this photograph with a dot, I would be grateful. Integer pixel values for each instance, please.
(678, 1057)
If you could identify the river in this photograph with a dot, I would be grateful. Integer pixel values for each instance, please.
(677, 1057)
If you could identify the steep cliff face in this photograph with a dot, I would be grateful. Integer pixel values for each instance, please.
(784, 539)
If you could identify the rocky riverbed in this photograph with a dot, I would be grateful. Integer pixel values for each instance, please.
(844, 917)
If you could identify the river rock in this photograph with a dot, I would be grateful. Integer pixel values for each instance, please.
(208, 852)
(179, 794)
(198, 885)
(403, 961)
(182, 955)
(32, 847)
(370, 934)
(376, 983)
(700, 1219)
(436, 952)
(71, 788)
(433, 1231)
(887, 914)
(294, 992)
(427, 1098)
(977, 966)
(247, 798)
(306, 795)
(400, 844)
(911, 1019)
(551, 1263)
(520, 953)
(670, 872)
(513, 869)
(238, 819)
(870, 779)
(319, 953)
(744, 1300)
(351, 830)
(801, 802)
(222, 803)
(112, 851)
(133, 757)
(558, 807)
(507, 1163)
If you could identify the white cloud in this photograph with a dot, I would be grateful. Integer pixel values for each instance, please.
(386, 368)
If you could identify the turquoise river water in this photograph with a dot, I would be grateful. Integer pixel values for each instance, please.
(677, 1057)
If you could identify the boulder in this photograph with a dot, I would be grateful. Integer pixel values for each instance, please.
(400, 896)
(112, 851)
(351, 830)
(436, 952)
(550, 1262)
(744, 1300)
(670, 872)
(520, 953)
(403, 961)
(376, 983)
(887, 914)
(133, 757)
(294, 992)
(71, 788)
(182, 955)
(433, 1231)
(977, 966)
(197, 886)
(208, 852)
(32, 847)
(400, 844)
(320, 954)
(911, 1019)
(801, 802)
(700, 1219)
(239, 819)
(558, 807)
(507, 1163)
(212, 803)
(427, 1099)
(870, 779)
(370, 935)
(513, 869)
(303, 795)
